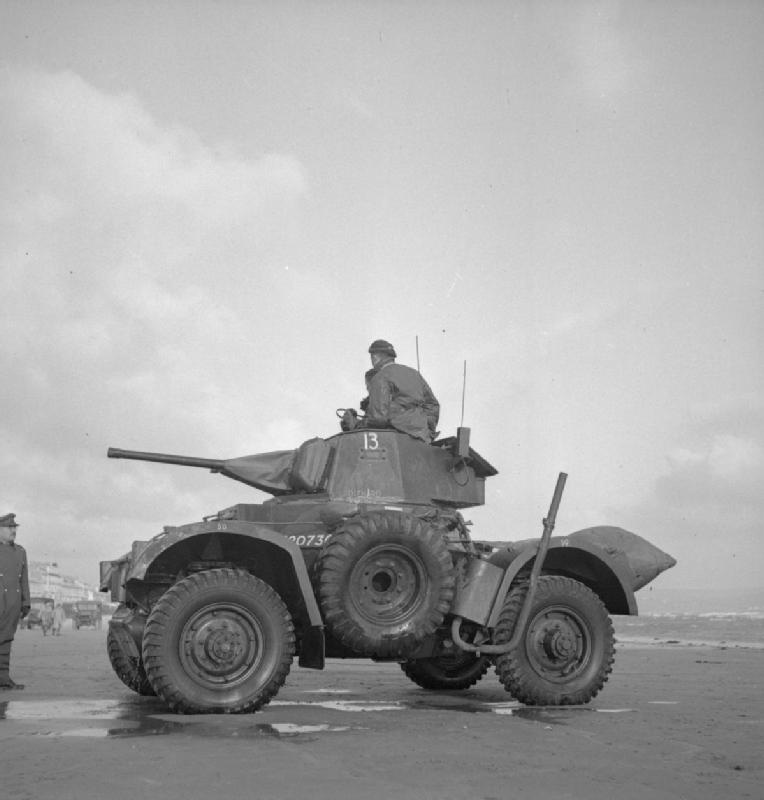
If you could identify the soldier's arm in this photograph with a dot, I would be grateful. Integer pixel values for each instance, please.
(26, 602)
(432, 406)
(378, 412)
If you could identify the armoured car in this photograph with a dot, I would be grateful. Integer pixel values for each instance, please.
(362, 551)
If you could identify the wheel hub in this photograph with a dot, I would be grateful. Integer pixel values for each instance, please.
(560, 644)
(221, 645)
(387, 583)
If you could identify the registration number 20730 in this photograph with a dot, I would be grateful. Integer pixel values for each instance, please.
(310, 539)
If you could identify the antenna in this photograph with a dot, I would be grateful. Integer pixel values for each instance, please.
(462, 444)
(417, 353)
(464, 389)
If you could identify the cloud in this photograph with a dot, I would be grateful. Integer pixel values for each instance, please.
(720, 462)
(706, 508)
(76, 138)
(115, 191)
(605, 59)
(347, 99)
(111, 221)
(127, 250)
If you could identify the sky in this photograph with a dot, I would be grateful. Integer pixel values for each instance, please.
(210, 209)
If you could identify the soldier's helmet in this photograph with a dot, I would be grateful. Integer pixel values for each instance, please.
(8, 521)
(381, 346)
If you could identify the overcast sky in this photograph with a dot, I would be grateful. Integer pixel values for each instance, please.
(210, 210)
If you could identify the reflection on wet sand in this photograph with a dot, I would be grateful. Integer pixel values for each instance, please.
(148, 717)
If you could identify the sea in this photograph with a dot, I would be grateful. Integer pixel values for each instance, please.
(715, 629)
(719, 618)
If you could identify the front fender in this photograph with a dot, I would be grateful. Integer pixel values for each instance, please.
(269, 542)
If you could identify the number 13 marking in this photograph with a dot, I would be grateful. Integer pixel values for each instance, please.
(370, 441)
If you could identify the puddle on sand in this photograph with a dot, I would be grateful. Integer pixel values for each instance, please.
(558, 715)
(150, 717)
(344, 705)
(554, 715)
(465, 705)
(548, 716)
(153, 726)
(79, 709)
(145, 718)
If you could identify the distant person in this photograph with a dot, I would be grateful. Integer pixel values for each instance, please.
(46, 617)
(14, 591)
(399, 397)
(58, 619)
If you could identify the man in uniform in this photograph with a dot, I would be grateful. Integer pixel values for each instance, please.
(399, 396)
(14, 594)
(369, 374)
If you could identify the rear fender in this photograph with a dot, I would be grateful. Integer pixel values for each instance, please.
(610, 578)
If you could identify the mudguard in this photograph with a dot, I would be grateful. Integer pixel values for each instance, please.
(272, 545)
(611, 561)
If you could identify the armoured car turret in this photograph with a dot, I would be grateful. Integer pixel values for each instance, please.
(362, 550)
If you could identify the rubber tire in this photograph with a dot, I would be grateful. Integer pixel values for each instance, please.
(385, 583)
(565, 610)
(458, 671)
(129, 670)
(192, 648)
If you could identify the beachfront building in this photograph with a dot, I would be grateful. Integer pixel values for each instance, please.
(46, 580)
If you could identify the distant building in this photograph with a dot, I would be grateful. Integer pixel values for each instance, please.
(45, 580)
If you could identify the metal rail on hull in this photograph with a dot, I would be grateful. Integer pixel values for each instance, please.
(505, 647)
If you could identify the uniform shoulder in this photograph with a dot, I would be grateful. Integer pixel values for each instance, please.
(401, 369)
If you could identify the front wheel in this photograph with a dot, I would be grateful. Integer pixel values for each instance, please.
(219, 641)
(566, 651)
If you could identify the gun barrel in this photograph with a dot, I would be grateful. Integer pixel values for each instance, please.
(166, 458)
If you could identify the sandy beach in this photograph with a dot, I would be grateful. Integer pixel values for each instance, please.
(674, 721)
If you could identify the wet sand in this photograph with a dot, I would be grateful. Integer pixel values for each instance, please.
(674, 721)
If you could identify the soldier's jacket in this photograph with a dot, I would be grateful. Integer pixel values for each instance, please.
(14, 588)
(400, 397)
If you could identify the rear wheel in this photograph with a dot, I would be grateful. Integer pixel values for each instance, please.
(566, 651)
(219, 641)
(458, 671)
(385, 583)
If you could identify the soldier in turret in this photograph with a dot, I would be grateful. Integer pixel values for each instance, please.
(364, 404)
(14, 594)
(399, 397)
